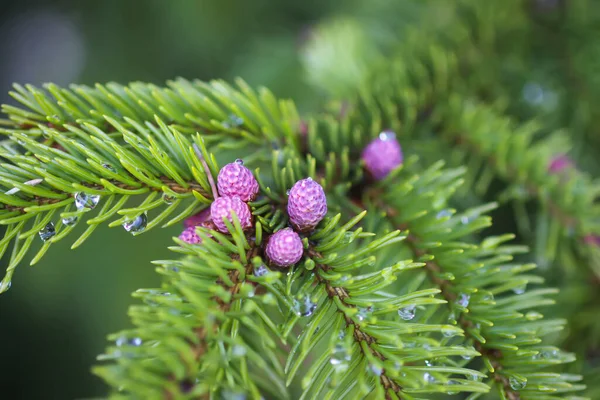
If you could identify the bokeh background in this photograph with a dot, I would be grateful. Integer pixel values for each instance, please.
(54, 320)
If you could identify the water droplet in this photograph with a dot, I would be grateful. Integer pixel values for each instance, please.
(467, 357)
(304, 307)
(489, 297)
(428, 378)
(452, 318)
(340, 357)
(136, 225)
(464, 220)
(238, 350)
(545, 354)
(4, 286)
(109, 167)
(451, 382)
(363, 313)
(168, 199)
(239, 161)
(84, 201)
(47, 232)
(516, 383)
(70, 221)
(341, 335)
(123, 340)
(233, 121)
(387, 135)
(533, 315)
(261, 270)
(474, 377)
(520, 289)
(443, 214)
(449, 332)
(310, 179)
(375, 369)
(287, 192)
(463, 300)
(428, 363)
(407, 313)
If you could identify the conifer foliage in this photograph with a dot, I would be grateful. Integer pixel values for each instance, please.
(341, 255)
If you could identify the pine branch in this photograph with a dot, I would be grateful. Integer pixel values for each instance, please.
(377, 344)
(206, 334)
(340, 294)
(215, 109)
(568, 196)
(468, 279)
(42, 182)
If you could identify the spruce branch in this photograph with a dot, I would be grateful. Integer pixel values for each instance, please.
(468, 279)
(364, 309)
(215, 109)
(568, 196)
(41, 183)
(204, 333)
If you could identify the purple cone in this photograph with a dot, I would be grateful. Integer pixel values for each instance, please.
(236, 180)
(559, 164)
(307, 204)
(284, 248)
(592, 240)
(190, 236)
(198, 219)
(224, 207)
(382, 155)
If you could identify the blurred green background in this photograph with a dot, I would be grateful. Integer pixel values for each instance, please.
(54, 320)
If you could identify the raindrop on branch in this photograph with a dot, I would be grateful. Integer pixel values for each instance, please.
(233, 121)
(109, 167)
(520, 289)
(340, 357)
(136, 225)
(168, 199)
(84, 201)
(261, 270)
(407, 313)
(304, 307)
(516, 383)
(363, 313)
(463, 300)
(47, 232)
(70, 221)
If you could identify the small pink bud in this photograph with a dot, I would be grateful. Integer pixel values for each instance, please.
(236, 180)
(284, 248)
(382, 155)
(224, 207)
(190, 236)
(559, 164)
(307, 204)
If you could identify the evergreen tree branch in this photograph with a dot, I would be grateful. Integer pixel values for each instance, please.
(42, 182)
(495, 332)
(341, 295)
(215, 109)
(203, 334)
(374, 339)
